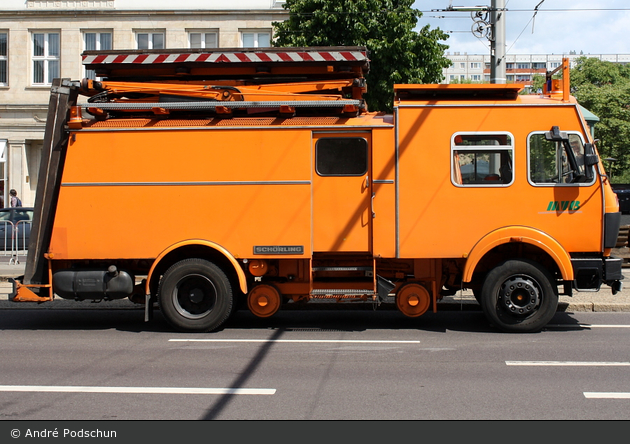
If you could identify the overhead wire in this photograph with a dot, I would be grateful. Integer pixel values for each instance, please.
(532, 20)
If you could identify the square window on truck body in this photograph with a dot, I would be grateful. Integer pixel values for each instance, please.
(482, 159)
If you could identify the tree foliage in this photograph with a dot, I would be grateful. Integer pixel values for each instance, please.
(397, 53)
(604, 89)
(538, 84)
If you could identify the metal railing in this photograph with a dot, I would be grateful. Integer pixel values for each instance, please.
(13, 239)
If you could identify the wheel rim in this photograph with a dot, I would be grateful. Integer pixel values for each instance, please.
(413, 300)
(519, 296)
(264, 300)
(194, 296)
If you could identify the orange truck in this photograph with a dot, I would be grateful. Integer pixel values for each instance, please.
(202, 181)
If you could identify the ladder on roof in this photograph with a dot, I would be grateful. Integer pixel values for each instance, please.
(226, 80)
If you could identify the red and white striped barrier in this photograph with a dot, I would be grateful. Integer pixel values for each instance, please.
(227, 57)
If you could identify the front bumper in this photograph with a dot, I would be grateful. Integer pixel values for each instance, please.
(590, 273)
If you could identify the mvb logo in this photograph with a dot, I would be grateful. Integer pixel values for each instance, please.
(571, 205)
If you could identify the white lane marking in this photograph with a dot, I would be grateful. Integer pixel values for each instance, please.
(297, 341)
(589, 325)
(606, 395)
(568, 363)
(143, 390)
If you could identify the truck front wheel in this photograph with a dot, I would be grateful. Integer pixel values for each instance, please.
(195, 295)
(519, 296)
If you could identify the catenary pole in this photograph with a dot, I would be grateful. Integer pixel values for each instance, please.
(497, 44)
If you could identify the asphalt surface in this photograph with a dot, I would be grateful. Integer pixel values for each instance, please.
(601, 301)
(106, 365)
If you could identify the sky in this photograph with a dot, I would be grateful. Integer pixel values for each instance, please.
(559, 26)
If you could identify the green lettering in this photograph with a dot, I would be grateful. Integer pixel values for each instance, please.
(565, 204)
(553, 206)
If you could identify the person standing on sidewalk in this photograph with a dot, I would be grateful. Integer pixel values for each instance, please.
(15, 200)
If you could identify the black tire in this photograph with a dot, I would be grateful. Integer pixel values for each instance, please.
(195, 296)
(519, 296)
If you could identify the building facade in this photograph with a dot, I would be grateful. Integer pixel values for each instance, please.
(43, 39)
(520, 68)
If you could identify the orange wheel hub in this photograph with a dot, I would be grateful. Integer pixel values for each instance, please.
(264, 300)
(413, 300)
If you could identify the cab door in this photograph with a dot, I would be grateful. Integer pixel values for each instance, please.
(342, 217)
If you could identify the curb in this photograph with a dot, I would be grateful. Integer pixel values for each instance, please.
(464, 305)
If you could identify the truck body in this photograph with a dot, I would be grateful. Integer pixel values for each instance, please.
(206, 181)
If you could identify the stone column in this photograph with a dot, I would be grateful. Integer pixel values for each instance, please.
(15, 169)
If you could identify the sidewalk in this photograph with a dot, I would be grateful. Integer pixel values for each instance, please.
(602, 301)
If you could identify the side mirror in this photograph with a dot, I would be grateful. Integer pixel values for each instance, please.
(590, 158)
(556, 135)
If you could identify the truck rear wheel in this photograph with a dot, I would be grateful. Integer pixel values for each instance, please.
(519, 296)
(195, 295)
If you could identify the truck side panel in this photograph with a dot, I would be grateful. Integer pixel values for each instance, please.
(131, 194)
(384, 193)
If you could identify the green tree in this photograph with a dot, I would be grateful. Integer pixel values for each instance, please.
(538, 83)
(604, 89)
(397, 53)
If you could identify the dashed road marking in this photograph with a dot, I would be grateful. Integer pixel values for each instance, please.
(588, 325)
(568, 363)
(606, 395)
(141, 390)
(298, 341)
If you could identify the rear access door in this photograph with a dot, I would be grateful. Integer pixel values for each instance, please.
(342, 217)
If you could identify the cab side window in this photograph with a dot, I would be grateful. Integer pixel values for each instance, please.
(482, 159)
(554, 162)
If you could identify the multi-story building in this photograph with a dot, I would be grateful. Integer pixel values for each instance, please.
(43, 39)
(520, 68)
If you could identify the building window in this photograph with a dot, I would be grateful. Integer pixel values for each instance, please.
(475, 65)
(150, 40)
(554, 65)
(96, 41)
(523, 66)
(475, 78)
(202, 40)
(539, 65)
(487, 65)
(462, 65)
(256, 39)
(4, 59)
(481, 159)
(509, 66)
(45, 57)
(525, 78)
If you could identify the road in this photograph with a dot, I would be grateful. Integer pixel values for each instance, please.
(312, 365)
